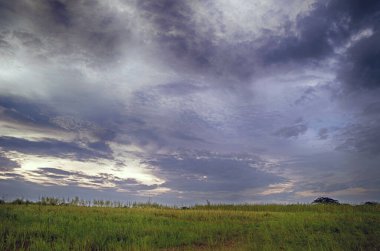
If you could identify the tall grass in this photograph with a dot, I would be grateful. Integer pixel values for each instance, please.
(209, 227)
(334, 208)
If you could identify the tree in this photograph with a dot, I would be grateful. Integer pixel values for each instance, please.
(371, 203)
(325, 200)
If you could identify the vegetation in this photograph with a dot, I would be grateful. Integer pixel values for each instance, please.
(325, 200)
(371, 203)
(53, 226)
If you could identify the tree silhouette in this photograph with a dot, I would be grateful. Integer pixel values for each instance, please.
(325, 200)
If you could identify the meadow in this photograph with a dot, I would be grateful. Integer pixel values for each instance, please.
(207, 227)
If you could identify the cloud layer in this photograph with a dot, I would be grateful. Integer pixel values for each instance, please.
(231, 101)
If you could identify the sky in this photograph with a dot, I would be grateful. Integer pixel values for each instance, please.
(182, 102)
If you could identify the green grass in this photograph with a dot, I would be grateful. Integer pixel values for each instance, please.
(214, 227)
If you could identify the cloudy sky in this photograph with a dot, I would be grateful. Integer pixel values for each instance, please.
(187, 101)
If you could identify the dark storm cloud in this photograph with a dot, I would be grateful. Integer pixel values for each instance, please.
(101, 179)
(362, 63)
(203, 171)
(59, 12)
(310, 43)
(50, 147)
(104, 121)
(27, 112)
(7, 164)
(24, 111)
(103, 36)
(169, 15)
(13, 175)
(328, 26)
(74, 114)
(360, 12)
(59, 174)
(360, 68)
(178, 34)
(291, 131)
(75, 28)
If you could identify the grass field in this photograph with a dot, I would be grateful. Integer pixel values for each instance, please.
(213, 227)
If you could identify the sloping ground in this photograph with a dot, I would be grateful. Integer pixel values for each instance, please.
(293, 227)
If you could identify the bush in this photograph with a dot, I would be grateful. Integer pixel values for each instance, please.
(325, 200)
(18, 202)
(372, 203)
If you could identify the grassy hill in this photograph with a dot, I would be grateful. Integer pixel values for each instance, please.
(212, 227)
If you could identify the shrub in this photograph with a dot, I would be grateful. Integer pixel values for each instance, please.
(372, 203)
(325, 200)
(18, 202)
